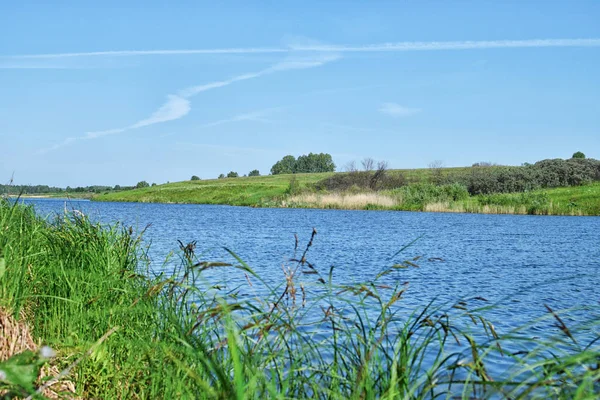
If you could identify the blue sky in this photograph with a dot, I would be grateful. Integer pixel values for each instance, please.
(106, 93)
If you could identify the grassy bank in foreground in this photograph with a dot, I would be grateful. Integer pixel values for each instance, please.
(82, 289)
(299, 191)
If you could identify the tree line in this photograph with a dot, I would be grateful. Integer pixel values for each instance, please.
(306, 163)
(45, 189)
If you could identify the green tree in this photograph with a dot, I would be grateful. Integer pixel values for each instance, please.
(578, 155)
(284, 166)
(232, 174)
(321, 162)
(195, 178)
(254, 172)
(142, 184)
(221, 176)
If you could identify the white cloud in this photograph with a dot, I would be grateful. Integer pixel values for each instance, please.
(174, 108)
(397, 111)
(178, 105)
(256, 116)
(299, 48)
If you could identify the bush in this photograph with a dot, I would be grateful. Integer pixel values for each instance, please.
(142, 184)
(542, 174)
(416, 196)
(232, 174)
(379, 179)
(194, 178)
(578, 155)
(254, 172)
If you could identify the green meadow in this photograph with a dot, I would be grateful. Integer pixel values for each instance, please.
(417, 193)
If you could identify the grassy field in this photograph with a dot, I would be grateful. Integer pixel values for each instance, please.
(259, 191)
(242, 191)
(298, 191)
(119, 332)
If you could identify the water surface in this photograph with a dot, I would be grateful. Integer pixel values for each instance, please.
(519, 262)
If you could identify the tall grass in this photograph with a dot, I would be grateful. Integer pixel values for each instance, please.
(184, 334)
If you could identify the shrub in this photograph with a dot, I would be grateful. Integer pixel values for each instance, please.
(142, 184)
(232, 174)
(254, 172)
(578, 155)
(194, 178)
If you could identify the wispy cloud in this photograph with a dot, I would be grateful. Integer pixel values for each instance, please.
(320, 48)
(178, 105)
(256, 116)
(396, 110)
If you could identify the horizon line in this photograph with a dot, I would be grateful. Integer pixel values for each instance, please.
(381, 47)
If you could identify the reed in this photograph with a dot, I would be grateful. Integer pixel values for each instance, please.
(347, 201)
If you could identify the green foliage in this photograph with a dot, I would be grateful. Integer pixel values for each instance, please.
(284, 166)
(542, 174)
(221, 176)
(254, 172)
(195, 178)
(142, 184)
(416, 196)
(232, 174)
(311, 163)
(579, 155)
(293, 187)
(19, 373)
(363, 180)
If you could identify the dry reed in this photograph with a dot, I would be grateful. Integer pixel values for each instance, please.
(15, 337)
(358, 201)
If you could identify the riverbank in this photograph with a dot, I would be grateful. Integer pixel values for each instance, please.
(74, 195)
(85, 291)
(300, 191)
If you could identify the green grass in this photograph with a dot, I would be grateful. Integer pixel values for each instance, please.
(418, 195)
(243, 191)
(181, 335)
(577, 200)
(258, 191)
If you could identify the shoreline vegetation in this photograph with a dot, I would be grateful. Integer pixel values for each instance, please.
(115, 330)
(549, 187)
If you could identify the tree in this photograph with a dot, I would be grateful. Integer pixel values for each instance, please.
(578, 155)
(195, 178)
(254, 172)
(221, 176)
(153, 184)
(436, 171)
(284, 166)
(379, 175)
(350, 166)
(321, 162)
(232, 174)
(368, 164)
(142, 184)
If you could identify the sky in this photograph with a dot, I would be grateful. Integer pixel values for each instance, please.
(112, 92)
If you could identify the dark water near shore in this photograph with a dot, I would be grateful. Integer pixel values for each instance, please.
(519, 262)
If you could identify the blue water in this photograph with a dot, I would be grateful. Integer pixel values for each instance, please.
(517, 262)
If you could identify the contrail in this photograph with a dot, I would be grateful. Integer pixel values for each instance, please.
(382, 47)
